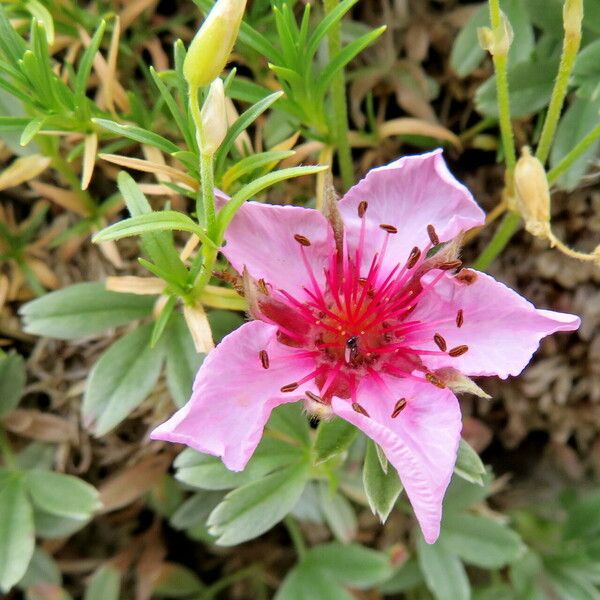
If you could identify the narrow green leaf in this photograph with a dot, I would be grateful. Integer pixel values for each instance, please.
(325, 25)
(17, 535)
(12, 44)
(61, 494)
(307, 581)
(468, 464)
(161, 322)
(444, 573)
(105, 584)
(338, 513)
(120, 381)
(251, 163)
(82, 309)
(252, 509)
(333, 437)
(12, 381)
(86, 61)
(133, 132)
(31, 130)
(382, 489)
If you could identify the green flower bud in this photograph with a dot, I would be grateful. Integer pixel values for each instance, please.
(210, 49)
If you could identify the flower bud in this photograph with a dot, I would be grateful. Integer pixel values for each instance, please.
(533, 194)
(496, 41)
(214, 118)
(572, 17)
(210, 49)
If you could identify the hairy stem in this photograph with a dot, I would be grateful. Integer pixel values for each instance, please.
(508, 227)
(574, 154)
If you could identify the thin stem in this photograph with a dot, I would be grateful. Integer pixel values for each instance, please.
(508, 227)
(225, 582)
(570, 48)
(339, 106)
(207, 176)
(296, 536)
(500, 62)
(574, 154)
(6, 451)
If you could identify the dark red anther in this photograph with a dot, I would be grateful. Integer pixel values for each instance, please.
(398, 407)
(451, 264)
(413, 258)
(388, 228)
(301, 239)
(433, 236)
(440, 342)
(362, 208)
(290, 387)
(264, 359)
(466, 276)
(459, 318)
(359, 409)
(312, 396)
(458, 351)
(435, 380)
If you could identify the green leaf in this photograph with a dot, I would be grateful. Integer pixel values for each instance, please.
(165, 220)
(462, 494)
(338, 513)
(444, 574)
(481, 541)
(223, 322)
(85, 63)
(120, 381)
(250, 510)
(105, 584)
(31, 130)
(468, 464)
(407, 577)
(586, 72)
(351, 564)
(583, 519)
(12, 381)
(195, 509)
(52, 527)
(333, 437)
(42, 569)
(258, 185)
(82, 309)
(133, 132)
(579, 119)
(325, 25)
(176, 581)
(382, 489)
(290, 420)
(17, 535)
(182, 359)
(308, 582)
(530, 85)
(62, 495)
(252, 163)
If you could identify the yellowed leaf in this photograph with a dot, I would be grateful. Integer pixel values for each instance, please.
(410, 126)
(130, 284)
(23, 169)
(89, 159)
(40, 426)
(199, 327)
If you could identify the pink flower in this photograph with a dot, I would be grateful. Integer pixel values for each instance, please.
(358, 318)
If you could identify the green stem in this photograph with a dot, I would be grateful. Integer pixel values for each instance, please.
(296, 536)
(209, 256)
(508, 227)
(226, 581)
(574, 154)
(6, 451)
(500, 62)
(570, 48)
(339, 105)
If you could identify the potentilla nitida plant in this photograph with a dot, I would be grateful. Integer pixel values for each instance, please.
(364, 313)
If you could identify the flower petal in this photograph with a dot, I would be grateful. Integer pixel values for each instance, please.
(234, 395)
(421, 442)
(501, 328)
(409, 194)
(261, 237)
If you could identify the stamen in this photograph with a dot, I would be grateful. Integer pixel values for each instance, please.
(435, 380)
(459, 318)
(458, 351)
(362, 208)
(262, 286)
(312, 396)
(433, 236)
(413, 258)
(451, 264)
(289, 387)
(466, 276)
(440, 342)
(399, 407)
(388, 228)
(302, 240)
(359, 409)
(264, 359)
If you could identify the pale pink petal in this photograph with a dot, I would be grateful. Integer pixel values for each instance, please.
(410, 194)
(500, 327)
(234, 395)
(421, 442)
(261, 237)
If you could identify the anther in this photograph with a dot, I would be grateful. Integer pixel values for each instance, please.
(290, 387)
(399, 407)
(413, 258)
(440, 342)
(451, 264)
(359, 409)
(262, 286)
(362, 280)
(458, 351)
(435, 380)
(388, 228)
(362, 208)
(433, 236)
(301, 239)
(264, 359)
(466, 276)
(312, 396)
(459, 318)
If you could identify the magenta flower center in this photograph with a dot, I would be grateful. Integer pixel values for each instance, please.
(358, 321)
